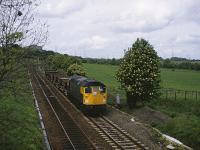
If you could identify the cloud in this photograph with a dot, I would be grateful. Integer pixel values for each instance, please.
(188, 39)
(142, 18)
(94, 42)
(135, 16)
(102, 28)
(128, 26)
(59, 9)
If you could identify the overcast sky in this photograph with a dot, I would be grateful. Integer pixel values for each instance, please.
(104, 28)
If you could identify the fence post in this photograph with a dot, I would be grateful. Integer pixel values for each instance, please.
(185, 94)
(175, 94)
(196, 95)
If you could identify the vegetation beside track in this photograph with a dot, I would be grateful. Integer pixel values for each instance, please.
(185, 114)
(19, 127)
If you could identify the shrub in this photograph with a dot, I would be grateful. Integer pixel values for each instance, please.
(185, 128)
(75, 69)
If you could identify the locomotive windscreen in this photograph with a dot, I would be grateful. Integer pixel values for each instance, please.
(93, 84)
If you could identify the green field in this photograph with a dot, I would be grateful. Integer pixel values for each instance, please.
(176, 79)
(185, 114)
(104, 73)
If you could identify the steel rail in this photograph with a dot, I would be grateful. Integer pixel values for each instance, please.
(137, 142)
(55, 113)
(119, 139)
(56, 97)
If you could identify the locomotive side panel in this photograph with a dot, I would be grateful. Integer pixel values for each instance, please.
(74, 91)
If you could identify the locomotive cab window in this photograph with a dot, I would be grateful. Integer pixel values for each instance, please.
(88, 90)
(95, 89)
(102, 89)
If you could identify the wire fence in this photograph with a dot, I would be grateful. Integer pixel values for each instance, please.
(166, 94)
(173, 94)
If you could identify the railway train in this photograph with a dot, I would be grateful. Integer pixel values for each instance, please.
(87, 94)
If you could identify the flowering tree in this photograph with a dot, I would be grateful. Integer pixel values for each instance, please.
(139, 72)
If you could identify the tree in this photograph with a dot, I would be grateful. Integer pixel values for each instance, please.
(60, 61)
(167, 63)
(75, 69)
(139, 72)
(18, 28)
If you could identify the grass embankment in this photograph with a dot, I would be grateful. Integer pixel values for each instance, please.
(185, 114)
(19, 124)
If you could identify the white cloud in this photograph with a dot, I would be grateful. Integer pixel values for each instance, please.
(105, 28)
(95, 42)
(61, 8)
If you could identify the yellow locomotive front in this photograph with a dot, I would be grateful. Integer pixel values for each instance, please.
(89, 94)
(94, 95)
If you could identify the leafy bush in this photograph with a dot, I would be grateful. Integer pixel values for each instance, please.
(185, 121)
(186, 128)
(76, 69)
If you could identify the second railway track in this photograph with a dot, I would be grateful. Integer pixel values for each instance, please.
(114, 135)
(76, 139)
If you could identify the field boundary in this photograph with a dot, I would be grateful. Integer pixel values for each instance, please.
(175, 94)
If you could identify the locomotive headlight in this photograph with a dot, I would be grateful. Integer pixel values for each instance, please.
(86, 101)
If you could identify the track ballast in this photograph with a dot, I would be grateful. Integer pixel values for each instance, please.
(75, 138)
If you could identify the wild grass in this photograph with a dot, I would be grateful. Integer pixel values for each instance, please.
(19, 124)
(185, 121)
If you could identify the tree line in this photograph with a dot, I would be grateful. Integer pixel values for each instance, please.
(55, 61)
(183, 64)
(113, 61)
(173, 62)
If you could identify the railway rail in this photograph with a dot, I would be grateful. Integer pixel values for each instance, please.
(74, 137)
(114, 135)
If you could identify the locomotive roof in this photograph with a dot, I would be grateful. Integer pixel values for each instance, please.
(84, 81)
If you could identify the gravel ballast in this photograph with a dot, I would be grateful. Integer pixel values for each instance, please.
(141, 131)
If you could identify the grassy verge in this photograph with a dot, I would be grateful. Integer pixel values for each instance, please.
(185, 114)
(19, 127)
(185, 121)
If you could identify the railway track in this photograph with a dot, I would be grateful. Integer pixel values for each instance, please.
(74, 137)
(114, 135)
